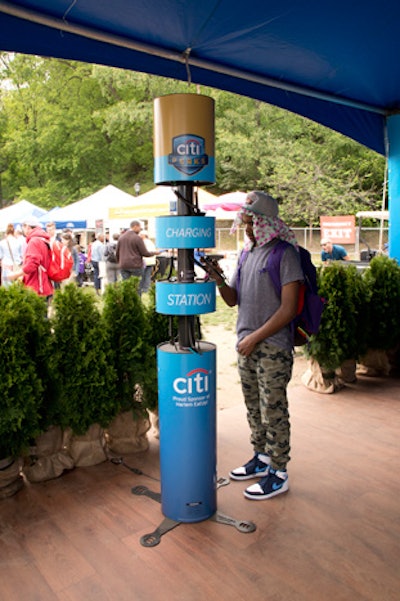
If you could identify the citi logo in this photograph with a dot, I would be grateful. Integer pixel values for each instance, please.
(196, 381)
(193, 148)
(188, 154)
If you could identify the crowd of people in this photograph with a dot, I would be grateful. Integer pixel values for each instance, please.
(25, 256)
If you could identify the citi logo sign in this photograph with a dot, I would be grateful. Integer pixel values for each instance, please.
(188, 154)
(195, 382)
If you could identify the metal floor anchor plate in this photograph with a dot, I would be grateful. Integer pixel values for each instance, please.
(153, 538)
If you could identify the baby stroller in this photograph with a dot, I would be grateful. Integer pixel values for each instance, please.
(88, 276)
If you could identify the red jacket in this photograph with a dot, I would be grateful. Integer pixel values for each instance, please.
(36, 261)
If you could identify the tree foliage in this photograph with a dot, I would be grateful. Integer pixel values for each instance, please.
(69, 128)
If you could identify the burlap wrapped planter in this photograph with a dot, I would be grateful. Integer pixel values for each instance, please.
(50, 456)
(319, 380)
(374, 363)
(89, 448)
(347, 371)
(155, 422)
(128, 434)
(11, 480)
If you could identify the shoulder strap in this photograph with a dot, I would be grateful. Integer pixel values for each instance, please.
(273, 266)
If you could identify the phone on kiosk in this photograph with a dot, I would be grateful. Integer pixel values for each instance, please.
(210, 265)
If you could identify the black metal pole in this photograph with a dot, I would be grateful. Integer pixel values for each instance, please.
(186, 334)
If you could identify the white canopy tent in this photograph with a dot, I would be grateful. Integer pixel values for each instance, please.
(16, 213)
(381, 216)
(156, 202)
(84, 213)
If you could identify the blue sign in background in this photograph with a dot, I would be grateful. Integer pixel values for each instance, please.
(187, 411)
(185, 231)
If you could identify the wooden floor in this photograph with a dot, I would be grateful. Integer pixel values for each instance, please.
(335, 536)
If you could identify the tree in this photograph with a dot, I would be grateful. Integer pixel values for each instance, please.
(69, 128)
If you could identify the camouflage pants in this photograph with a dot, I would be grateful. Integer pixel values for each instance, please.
(264, 376)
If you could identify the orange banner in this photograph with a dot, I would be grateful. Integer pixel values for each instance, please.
(340, 229)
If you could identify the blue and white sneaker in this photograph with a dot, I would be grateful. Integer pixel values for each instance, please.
(255, 468)
(274, 483)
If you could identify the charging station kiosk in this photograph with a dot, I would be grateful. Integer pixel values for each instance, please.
(184, 157)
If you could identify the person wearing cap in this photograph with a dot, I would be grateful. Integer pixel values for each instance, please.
(36, 259)
(332, 252)
(264, 342)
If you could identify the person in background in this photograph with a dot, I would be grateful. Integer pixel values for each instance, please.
(110, 256)
(130, 252)
(74, 252)
(332, 252)
(36, 259)
(81, 269)
(264, 342)
(51, 230)
(54, 239)
(149, 263)
(20, 237)
(97, 256)
(10, 255)
(67, 240)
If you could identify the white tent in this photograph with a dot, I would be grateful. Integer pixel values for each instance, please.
(16, 213)
(84, 213)
(154, 203)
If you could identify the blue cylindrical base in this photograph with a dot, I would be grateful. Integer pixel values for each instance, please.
(187, 411)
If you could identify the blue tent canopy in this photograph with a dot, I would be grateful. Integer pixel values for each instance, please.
(333, 61)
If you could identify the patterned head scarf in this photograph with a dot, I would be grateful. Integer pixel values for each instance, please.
(266, 223)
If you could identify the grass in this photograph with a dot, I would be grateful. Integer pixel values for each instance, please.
(223, 316)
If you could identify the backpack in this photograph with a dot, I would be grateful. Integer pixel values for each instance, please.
(61, 262)
(110, 253)
(310, 304)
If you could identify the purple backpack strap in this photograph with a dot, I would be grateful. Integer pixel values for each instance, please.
(273, 266)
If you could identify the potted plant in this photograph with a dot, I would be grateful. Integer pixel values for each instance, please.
(25, 335)
(134, 359)
(342, 334)
(382, 281)
(85, 373)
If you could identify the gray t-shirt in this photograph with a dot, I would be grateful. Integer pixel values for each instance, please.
(258, 300)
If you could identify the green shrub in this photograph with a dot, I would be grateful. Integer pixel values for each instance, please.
(345, 319)
(382, 280)
(24, 383)
(82, 360)
(129, 333)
